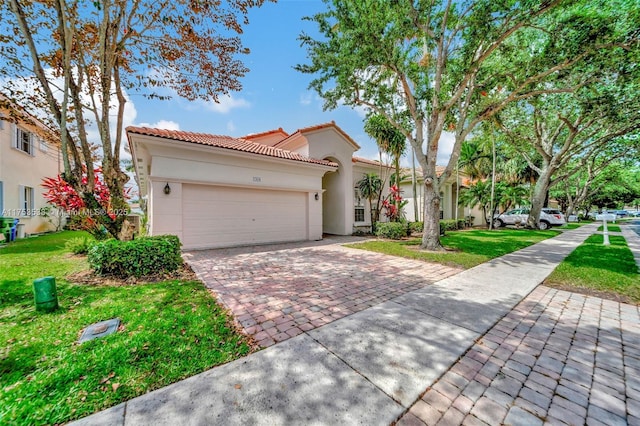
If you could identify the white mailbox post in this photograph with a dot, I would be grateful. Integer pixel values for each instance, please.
(604, 217)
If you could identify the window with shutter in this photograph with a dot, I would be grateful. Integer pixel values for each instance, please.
(23, 141)
(27, 201)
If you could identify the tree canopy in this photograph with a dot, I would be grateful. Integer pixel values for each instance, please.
(448, 66)
(77, 61)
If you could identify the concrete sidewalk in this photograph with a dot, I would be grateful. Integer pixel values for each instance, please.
(367, 368)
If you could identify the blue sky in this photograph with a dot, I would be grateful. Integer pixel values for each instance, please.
(274, 94)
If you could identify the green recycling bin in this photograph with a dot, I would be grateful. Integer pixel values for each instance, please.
(45, 295)
(6, 223)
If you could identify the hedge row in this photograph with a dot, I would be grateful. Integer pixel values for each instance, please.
(391, 230)
(140, 257)
(452, 224)
(398, 230)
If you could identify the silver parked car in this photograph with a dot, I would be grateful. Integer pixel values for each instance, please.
(548, 217)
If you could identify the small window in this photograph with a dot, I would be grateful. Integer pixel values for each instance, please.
(26, 201)
(359, 214)
(24, 141)
(357, 199)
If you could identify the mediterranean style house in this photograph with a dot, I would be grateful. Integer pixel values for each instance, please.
(29, 152)
(221, 191)
(449, 197)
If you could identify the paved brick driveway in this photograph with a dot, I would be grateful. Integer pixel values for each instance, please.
(277, 292)
(557, 358)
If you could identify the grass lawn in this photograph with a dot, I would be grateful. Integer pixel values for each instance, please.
(572, 225)
(606, 271)
(610, 228)
(170, 330)
(464, 248)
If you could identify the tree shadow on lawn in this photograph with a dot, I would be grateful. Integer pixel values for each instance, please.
(346, 371)
(32, 245)
(616, 257)
(487, 243)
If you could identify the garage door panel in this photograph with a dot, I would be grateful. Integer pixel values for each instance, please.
(220, 216)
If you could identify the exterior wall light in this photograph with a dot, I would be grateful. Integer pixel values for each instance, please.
(317, 197)
(167, 189)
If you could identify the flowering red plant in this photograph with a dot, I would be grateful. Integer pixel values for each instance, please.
(61, 194)
(393, 203)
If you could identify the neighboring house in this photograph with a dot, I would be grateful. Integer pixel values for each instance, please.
(29, 152)
(220, 191)
(448, 203)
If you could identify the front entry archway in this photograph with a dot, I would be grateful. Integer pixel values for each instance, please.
(333, 195)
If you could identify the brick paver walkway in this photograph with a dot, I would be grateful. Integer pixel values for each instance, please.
(557, 358)
(278, 292)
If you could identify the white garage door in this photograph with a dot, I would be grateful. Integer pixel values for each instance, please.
(215, 216)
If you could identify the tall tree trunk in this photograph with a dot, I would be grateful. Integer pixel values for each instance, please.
(431, 208)
(397, 183)
(372, 216)
(539, 195)
(493, 181)
(416, 217)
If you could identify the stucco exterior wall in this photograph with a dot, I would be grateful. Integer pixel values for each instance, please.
(338, 199)
(20, 169)
(165, 209)
(179, 164)
(448, 203)
(359, 170)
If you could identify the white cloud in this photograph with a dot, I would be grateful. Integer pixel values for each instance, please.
(306, 98)
(362, 111)
(447, 140)
(231, 127)
(162, 124)
(226, 103)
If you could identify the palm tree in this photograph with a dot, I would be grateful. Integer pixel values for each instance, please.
(370, 187)
(514, 195)
(474, 161)
(478, 194)
(389, 139)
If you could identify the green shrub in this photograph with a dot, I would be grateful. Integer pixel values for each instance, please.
(137, 258)
(416, 227)
(449, 224)
(462, 223)
(391, 230)
(78, 245)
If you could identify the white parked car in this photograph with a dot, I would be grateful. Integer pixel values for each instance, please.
(548, 217)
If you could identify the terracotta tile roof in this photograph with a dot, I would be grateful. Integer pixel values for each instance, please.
(268, 132)
(355, 159)
(227, 142)
(439, 171)
(319, 127)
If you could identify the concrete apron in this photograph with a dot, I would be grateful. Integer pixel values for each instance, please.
(367, 368)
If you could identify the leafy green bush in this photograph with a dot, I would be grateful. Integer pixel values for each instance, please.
(391, 230)
(462, 223)
(78, 245)
(137, 258)
(449, 224)
(416, 227)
